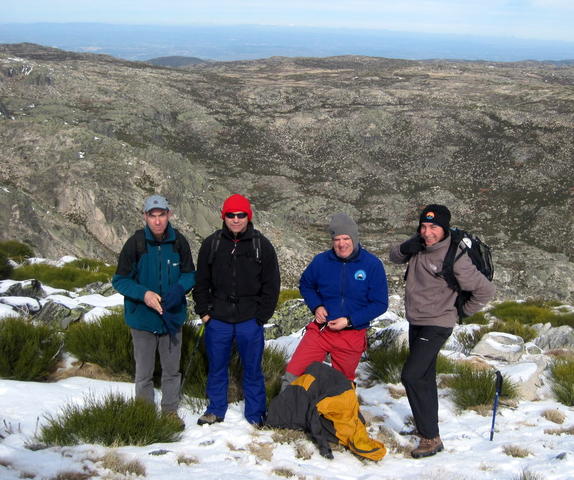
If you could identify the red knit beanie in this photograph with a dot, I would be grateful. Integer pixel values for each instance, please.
(237, 203)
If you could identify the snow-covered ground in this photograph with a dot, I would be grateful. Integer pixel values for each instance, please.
(236, 450)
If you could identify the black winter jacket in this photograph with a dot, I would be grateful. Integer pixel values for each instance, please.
(236, 287)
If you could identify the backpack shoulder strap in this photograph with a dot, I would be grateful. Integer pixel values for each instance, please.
(215, 241)
(141, 246)
(256, 241)
(451, 257)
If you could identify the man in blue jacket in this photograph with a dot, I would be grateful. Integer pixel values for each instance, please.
(155, 271)
(345, 288)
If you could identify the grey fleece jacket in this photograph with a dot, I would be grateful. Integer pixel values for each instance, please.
(428, 299)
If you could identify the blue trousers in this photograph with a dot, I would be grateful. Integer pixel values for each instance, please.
(248, 336)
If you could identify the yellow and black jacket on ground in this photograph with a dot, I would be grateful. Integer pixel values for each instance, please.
(324, 403)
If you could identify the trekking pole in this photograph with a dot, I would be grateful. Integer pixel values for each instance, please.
(191, 354)
(498, 389)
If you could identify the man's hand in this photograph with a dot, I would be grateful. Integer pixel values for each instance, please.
(338, 323)
(153, 300)
(321, 314)
(412, 246)
(205, 318)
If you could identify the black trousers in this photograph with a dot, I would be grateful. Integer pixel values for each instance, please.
(419, 376)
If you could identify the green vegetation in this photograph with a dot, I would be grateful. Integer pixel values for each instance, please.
(563, 378)
(111, 421)
(472, 387)
(385, 362)
(287, 294)
(478, 319)
(70, 276)
(469, 338)
(106, 342)
(17, 251)
(27, 351)
(531, 312)
(5, 267)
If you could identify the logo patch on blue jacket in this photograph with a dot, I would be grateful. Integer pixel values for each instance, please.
(360, 275)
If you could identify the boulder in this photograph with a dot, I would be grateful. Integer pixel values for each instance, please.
(27, 288)
(500, 346)
(58, 315)
(556, 337)
(293, 315)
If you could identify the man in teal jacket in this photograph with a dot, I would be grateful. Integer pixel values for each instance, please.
(155, 271)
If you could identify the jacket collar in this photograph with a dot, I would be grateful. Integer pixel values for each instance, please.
(247, 234)
(168, 237)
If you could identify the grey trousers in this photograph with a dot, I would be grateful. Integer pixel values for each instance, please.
(145, 346)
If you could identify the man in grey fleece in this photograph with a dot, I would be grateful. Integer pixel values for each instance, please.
(432, 315)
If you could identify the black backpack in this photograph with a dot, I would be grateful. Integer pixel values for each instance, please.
(216, 240)
(480, 255)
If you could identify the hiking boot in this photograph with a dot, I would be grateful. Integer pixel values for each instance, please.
(177, 419)
(209, 419)
(428, 447)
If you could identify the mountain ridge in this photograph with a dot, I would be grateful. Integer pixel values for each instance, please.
(85, 138)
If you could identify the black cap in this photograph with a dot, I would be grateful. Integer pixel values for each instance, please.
(438, 214)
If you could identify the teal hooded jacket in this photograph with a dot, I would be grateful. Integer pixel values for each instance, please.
(149, 264)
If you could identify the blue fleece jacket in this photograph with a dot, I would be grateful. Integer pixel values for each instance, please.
(158, 269)
(355, 288)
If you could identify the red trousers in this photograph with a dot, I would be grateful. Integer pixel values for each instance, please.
(344, 346)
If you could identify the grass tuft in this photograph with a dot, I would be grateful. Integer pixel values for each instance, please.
(563, 380)
(515, 327)
(473, 387)
(67, 277)
(287, 294)
(17, 251)
(531, 312)
(117, 464)
(27, 351)
(106, 342)
(516, 451)
(111, 421)
(554, 415)
(528, 475)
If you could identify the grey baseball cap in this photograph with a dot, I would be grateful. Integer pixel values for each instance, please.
(155, 201)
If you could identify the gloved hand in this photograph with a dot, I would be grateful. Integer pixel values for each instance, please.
(412, 246)
(174, 298)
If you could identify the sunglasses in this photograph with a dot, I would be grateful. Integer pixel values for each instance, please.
(233, 215)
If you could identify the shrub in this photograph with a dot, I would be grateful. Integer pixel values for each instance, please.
(477, 319)
(17, 251)
(27, 351)
(531, 312)
(274, 362)
(563, 380)
(385, 362)
(93, 265)
(106, 342)
(469, 338)
(287, 294)
(110, 421)
(67, 277)
(516, 451)
(5, 267)
(473, 387)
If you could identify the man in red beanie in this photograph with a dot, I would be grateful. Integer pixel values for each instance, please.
(236, 292)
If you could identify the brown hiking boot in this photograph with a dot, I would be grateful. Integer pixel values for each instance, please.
(428, 447)
(209, 419)
(177, 419)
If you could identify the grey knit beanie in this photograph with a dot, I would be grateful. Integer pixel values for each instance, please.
(342, 224)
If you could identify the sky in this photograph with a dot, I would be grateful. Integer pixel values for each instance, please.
(526, 19)
(236, 450)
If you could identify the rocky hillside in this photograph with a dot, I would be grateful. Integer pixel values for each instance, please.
(86, 137)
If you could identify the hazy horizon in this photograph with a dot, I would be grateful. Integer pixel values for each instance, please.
(247, 42)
